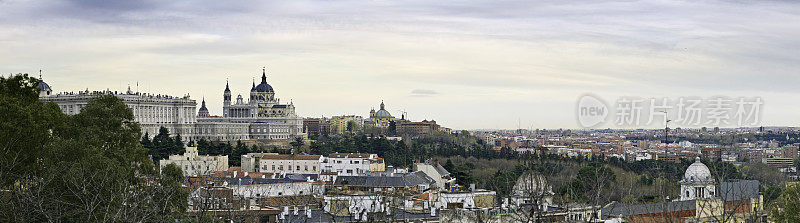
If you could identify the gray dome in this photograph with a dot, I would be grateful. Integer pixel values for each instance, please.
(263, 86)
(697, 172)
(203, 107)
(382, 114)
(42, 86)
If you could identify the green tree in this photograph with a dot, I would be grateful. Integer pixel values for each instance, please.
(392, 128)
(162, 144)
(89, 167)
(351, 126)
(178, 147)
(787, 207)
(26, 126)
(175, 196)
(297, 144)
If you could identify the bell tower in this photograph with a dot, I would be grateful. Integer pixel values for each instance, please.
(226, 100)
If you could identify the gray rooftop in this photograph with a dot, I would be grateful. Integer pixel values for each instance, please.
(404, 180)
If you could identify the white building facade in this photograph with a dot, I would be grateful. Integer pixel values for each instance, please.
(352, 164)
(177, 114)
(194, 164)
(697, 182)
(290, 164)
(278, 189)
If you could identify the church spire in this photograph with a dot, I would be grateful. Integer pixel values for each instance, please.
(227, 88)
(263, 74)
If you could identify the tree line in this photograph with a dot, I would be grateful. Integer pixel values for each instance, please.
(88, 167)
(163, 145)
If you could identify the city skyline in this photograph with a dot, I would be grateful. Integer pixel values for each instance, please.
(472, 65)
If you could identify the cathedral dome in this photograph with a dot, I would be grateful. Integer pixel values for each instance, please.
(697, 172)
(203, 108)
(263, 86)
(382, 113)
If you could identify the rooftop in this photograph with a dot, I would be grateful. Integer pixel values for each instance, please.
(290, 157)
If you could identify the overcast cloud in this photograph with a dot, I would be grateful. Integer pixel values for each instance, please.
(466, 64)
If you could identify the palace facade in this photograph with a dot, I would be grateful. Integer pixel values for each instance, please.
(262, 117)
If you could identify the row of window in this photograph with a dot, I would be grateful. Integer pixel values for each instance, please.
(289, 167)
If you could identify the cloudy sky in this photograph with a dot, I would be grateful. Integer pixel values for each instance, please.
(466, 64)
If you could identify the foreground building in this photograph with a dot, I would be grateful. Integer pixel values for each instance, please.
(281, 163)
(194, 165)
(702, 200)
(352, 164)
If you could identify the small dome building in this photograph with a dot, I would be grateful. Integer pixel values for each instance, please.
(203, 113)
(381, 117)
(44, 88)
(697, 182)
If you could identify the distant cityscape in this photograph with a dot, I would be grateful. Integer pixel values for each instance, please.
(137, 111)
(288, 184)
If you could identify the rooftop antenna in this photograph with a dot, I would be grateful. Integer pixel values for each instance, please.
(666, 126)
(40, 74)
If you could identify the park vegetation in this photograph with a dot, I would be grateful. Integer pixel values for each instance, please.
(88, 167)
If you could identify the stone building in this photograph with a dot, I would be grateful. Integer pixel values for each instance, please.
(263, 117)
(380, 118)
(195, 165)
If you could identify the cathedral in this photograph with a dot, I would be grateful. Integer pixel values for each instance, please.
(261, 104)
(380, 118)
(262, 113)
